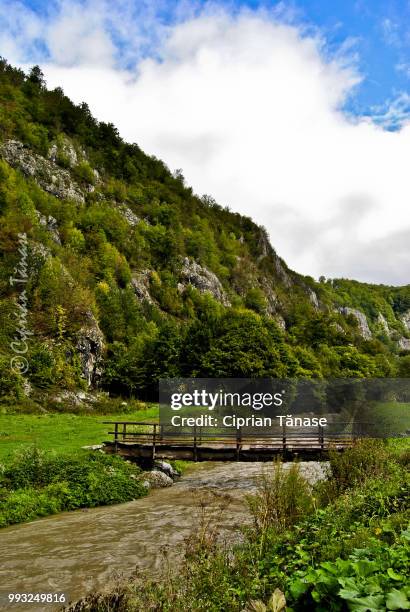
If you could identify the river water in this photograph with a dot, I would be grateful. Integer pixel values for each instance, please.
(77, 552)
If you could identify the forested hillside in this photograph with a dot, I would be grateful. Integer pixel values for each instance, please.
(132, 277)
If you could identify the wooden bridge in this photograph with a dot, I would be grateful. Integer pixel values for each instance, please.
(149, 441)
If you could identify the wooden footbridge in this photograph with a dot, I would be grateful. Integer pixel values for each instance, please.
(148, 441)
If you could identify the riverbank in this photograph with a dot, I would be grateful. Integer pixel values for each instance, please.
(82, 551)
(44, 468)
(342, 545)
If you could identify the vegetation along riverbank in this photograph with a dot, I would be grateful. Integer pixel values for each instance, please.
(342, 545)
(45, 470)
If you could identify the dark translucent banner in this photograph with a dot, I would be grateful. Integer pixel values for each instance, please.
(272, 407)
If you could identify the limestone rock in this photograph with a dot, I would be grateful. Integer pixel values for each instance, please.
(93, 447)
(51, 225)
(140, 284)
(38, 254)
(271, 299)
(403, 344)
(158, 479)
(280, 321)
(361, 320)
(75, 398)
(166, 468)
(202, 279)
(383, 324)
(47, 175)
(90, 346)
(66, 148)
(313, 299)
(129, 216)
(405, 319)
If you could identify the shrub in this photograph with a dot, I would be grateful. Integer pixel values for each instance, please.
(283, 497)
(35, 483)
(367, 458)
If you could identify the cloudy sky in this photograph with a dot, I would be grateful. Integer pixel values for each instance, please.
(295, 113)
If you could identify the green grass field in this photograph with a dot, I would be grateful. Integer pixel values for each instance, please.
(62, 432)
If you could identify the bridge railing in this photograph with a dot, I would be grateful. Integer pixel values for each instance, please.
(155, 434)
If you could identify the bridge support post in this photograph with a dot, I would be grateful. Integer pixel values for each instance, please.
(238, 442)
(195, 446)
(321, 438)
(116, 437)
(154, 439)
(284, 448)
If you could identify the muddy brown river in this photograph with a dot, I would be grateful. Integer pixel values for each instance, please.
(77, 552)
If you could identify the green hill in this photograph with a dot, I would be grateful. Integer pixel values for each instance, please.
(132, 277)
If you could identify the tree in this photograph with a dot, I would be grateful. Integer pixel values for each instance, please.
(36, 76)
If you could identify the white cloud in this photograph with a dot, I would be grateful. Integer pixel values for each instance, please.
(250, 108)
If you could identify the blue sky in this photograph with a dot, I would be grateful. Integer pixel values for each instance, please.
(295, 113)
(377, 32)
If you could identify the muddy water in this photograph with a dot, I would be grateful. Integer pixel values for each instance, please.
(80, 551)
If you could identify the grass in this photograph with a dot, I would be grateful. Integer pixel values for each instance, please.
(62, 432)
(390, 417)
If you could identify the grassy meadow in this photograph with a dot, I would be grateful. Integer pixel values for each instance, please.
(61, 432)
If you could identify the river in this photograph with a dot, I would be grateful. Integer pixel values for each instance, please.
(77, 552)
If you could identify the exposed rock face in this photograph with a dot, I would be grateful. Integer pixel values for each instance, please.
(65, 148)
(383, 324)
(140, 284)
(403, 344)
(264, 245)
(280, 321)
(271, 299)
(49, 177)
(38, 254)
(405, 319)
(281, 271)
(129, 216)
(75, 398)
(202, 279)
(51, 225)
(361, 320)
(313, 299)
(90, 345)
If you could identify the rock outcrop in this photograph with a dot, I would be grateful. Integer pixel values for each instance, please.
(140, 284)
(403, 344)
(64, 148)
(51, 225)
(128, 215)
(381, 320)
(90, 346)
(405, 319)
(361, 321)
(313, 299)
(202, 279)
(47, 175)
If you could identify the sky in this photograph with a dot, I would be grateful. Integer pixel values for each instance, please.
(294, 113)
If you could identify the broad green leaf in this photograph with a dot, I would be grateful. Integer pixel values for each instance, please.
(393, 575)
(397, 600)
(297, 588)
(371, 603)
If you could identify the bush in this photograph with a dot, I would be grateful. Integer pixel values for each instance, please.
(283, 498)
(367, 458)
(35, 483)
